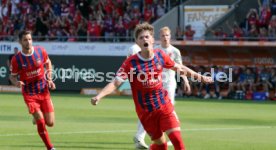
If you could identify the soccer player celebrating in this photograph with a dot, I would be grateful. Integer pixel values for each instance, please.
(169, 81)
(153, 106)
(29, 66)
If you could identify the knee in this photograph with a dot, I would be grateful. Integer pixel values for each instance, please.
(160, 140)
(50, 123)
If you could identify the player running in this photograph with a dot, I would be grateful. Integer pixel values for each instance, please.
(28, 65)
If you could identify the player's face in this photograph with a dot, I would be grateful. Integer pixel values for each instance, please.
(145, 40)
(165, 37)
(26, 42)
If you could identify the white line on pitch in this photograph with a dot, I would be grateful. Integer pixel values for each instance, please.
(129, 131)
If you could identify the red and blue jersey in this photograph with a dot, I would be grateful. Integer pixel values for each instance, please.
(30, 69)
(145, 77)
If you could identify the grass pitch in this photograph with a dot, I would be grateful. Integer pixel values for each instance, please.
(206, 124)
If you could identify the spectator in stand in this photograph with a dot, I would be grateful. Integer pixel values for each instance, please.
(136, 12)
(216, 84)
(108, 7)
(189, 33)
(41, 25)
(6, 12)
(198, 86)
(56, 7)
(133, 23)
(263, 80)
(14, 7)
(127, 23)
(265, 15)
(30, 22)
(19, 24)
(52, 32)
(25, 7)
(272, 28)
(218, 33)
(72, 34)
(233, 86)
(72, 7)
(120, 31)
(93, 30)
(178, 34)
(253, 33)
(9, 29)
(148, 13)
(83, 6)
(247, 80)
(273, 7)
(47, 9)
(108, 28)
(82, 31)
(252, 19)
(263, 36)
(272, 81)
(237, 32)
(160, 9)
(100, 15)
(64, 9)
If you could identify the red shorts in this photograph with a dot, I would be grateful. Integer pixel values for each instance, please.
(39, 102)
(157, 122)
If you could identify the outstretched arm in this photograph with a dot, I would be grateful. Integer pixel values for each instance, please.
(187, 87)
(108, 89)
(183, 70)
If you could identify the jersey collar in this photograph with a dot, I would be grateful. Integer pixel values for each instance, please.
(28, 54)
(144, 59)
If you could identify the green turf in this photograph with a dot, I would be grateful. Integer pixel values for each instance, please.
(206, 124)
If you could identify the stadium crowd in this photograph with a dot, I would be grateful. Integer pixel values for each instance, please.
(259, 25)
(89, 20)
(77, 20)
(244, 83)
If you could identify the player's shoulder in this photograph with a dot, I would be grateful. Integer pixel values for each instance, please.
(132, 57)
(16, 57)
(13, 56)
(158, 50)
(133, 49)
(175, 49)
(39, 48)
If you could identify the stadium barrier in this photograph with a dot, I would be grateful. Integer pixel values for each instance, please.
(72, 60)
(94, 91)
(230, 53)
(9, 88)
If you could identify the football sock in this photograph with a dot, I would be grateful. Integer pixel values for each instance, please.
(176, 140)
(159, 147)
(43, 133)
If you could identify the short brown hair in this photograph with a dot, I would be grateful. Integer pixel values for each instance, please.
(143, 27)
(22, 33)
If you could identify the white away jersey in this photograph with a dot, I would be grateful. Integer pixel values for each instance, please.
(175, 55)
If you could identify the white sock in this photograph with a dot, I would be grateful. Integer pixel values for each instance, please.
(141, 133)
